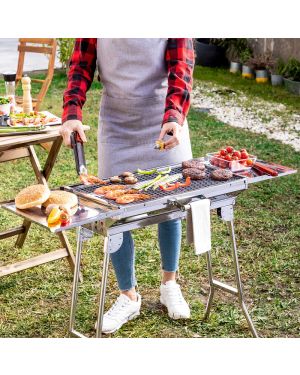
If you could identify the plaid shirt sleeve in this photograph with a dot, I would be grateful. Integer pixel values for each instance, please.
(179, 60)
(80, 78)
(180, 63)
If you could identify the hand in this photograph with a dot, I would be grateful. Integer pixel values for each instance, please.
(175, 129)
(71, 126)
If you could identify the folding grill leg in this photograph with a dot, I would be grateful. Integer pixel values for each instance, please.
(103, 289)
(226, 214)
(83, 234)
(211, 286)
(238, 279)
(76, 280)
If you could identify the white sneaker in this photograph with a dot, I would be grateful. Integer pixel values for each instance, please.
(122, 310)
(172, 298)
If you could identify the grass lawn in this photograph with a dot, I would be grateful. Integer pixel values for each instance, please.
(36, 302)
(249, 87)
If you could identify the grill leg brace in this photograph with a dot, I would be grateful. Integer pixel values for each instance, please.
(226, 214)
(82, 235)
(111, 244)
(102, 290)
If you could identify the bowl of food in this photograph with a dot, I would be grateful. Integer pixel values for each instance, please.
(4, 106)
(235, 160)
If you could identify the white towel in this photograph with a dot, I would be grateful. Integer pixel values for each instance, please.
(198, 226)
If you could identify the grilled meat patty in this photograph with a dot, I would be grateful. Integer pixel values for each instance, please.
(193, 173)
(221, 174)
(193, 164)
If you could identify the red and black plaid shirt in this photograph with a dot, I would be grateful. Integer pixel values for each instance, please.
(179, 61)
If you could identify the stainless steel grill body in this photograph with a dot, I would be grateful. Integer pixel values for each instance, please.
(97, 214)
(160, 199)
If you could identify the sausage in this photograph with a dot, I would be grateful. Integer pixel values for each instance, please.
(263, 168)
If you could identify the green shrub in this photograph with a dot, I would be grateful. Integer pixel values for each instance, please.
(237, 49)
(291, 70)
(65, 49)
(279, 67)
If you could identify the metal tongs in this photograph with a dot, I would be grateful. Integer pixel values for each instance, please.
(77, 146)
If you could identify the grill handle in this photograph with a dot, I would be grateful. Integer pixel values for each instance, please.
(77, 146)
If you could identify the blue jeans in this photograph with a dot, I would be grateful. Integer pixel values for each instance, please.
(169, 237)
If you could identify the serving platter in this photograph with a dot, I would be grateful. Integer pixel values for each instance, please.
(57, 120)
(36, 129)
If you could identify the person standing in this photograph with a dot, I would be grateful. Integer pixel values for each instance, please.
(146, 96)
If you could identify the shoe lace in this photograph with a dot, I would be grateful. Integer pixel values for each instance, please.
(117, 307)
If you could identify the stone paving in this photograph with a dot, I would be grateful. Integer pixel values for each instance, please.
(234, 108)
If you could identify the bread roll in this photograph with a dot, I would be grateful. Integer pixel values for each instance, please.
(32, 196)
(61, 197)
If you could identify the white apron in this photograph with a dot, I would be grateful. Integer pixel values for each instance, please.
(134, 76)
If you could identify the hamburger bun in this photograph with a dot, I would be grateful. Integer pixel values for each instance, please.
(61, 197)
(32, 196)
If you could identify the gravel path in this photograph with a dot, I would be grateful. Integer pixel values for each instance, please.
(234, 108)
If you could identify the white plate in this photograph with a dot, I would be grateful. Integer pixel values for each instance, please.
(48, 114)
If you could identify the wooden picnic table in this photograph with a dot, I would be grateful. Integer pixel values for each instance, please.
(15, 147)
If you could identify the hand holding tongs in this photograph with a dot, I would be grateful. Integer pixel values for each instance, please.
(77, 146)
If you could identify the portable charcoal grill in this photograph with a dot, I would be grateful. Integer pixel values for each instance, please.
(160, 199)
(99, 215)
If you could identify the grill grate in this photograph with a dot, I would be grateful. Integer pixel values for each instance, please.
(158, 193)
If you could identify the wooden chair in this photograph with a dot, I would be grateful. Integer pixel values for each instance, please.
(37, 45)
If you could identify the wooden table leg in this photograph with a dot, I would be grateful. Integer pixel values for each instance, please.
(51, 159)
(22, 236)
(46, 146)
(66, 244)
(42, 180)
(42, 177)
(36, 166)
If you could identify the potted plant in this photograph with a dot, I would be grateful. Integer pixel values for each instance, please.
(210, 52)
(235, 52)
(276, 73)
(4, 106)
(260, 64)
(291, 76)
(247, 71)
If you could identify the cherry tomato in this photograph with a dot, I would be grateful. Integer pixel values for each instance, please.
(228, 157)
(249, 162)
(237, 154)
(64, 218)
(223, 152)
(235, 158)
(229, 149)
(244, 155)
(243, 150)
(64, 223)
